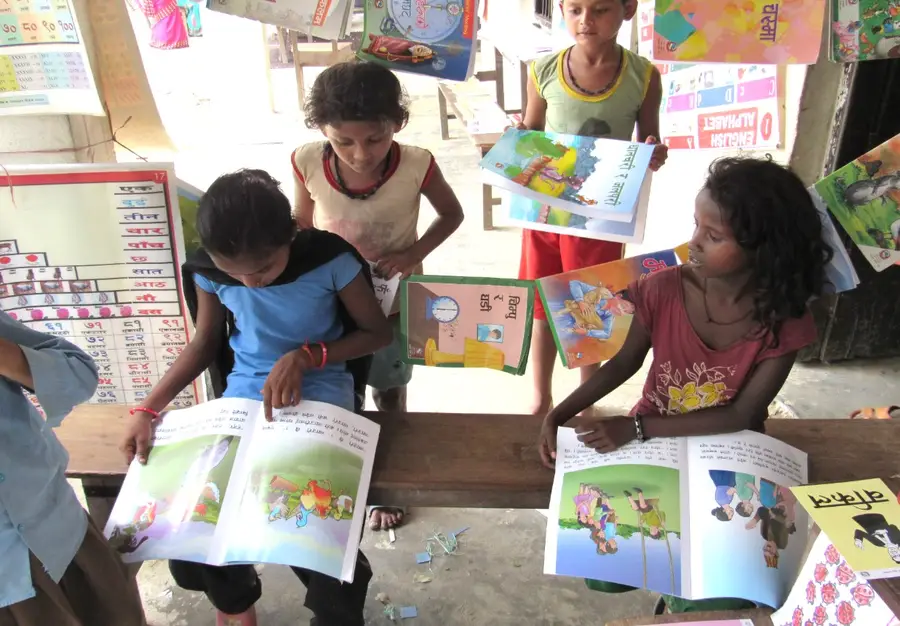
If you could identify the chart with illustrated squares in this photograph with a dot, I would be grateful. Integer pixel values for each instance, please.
(94, 256)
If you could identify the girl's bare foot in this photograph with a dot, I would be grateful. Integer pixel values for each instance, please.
(385, 517)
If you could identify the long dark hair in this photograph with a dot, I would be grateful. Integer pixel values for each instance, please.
(775, 221)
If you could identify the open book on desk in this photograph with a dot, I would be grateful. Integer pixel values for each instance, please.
(696, 517)
(222, 486)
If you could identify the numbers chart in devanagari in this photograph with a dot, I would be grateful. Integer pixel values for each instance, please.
(27, 22)
(114, 289)
(42, 71)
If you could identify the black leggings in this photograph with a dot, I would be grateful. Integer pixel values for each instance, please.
(233, 589)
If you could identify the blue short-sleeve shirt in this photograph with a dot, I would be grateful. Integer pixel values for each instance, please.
(272, 321)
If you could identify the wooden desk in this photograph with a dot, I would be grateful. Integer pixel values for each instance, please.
(483, 461)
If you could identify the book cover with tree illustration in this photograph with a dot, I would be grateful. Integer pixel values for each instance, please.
(661, 515)
(597, 178)
(455, 321)
(432, 37)
(864, 196)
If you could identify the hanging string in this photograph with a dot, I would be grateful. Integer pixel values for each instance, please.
(114, 140)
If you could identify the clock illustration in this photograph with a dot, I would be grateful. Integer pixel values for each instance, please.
(443, 309)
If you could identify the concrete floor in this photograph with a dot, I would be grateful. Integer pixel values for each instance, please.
(496, 577)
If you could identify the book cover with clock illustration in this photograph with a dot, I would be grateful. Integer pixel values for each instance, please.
(589, 310)
(455, 321)
(431, 37)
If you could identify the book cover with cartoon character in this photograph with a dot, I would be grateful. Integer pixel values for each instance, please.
(589, 310)
(453, 321)
(432, 37)
(862, 518)
(864, 196)
(863, 30)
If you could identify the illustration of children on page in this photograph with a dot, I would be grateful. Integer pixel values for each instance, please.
(592, 310)
(615, 515)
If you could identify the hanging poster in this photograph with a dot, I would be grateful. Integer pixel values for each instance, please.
(718, 106)
(92, 253)
(44, 66)
(749, 31)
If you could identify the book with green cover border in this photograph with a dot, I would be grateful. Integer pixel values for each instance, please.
(456, 321)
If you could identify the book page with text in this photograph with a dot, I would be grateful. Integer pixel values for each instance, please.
(750, 533)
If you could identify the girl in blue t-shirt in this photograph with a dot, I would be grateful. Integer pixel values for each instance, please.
(302, 313)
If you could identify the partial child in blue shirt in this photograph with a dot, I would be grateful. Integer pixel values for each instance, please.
(57, 568)
(303, 308)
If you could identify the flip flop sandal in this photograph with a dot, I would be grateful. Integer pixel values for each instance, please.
(874, 413)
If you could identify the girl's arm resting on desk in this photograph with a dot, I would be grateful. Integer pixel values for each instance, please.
(60, 374)
(747, 410)
(449, 217)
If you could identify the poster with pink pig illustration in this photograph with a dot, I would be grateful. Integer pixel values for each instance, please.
(828, 592)
(454, 321)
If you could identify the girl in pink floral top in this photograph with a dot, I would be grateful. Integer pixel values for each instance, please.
(726, 327)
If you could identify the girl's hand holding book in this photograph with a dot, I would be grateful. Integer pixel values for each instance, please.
(402, 263)
(547, 442)
(660, 153)
(606, 434)
(284, 383)
(136, 443)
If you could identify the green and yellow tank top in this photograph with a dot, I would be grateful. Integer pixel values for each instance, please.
(612, 114)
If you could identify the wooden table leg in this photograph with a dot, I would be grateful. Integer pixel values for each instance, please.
(487, 201)
(442, 112)
(100, 493)
(498, 68)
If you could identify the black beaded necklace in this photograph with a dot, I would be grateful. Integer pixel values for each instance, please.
(608, 85)
(342, 186)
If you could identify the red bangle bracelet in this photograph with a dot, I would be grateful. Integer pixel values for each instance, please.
(312, 359)
(142, 409)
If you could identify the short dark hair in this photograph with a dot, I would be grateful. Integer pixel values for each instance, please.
(244, 213)
(775, 221)
(720, 514)
(356, 91)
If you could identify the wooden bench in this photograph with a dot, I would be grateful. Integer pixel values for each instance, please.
(483, 121)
